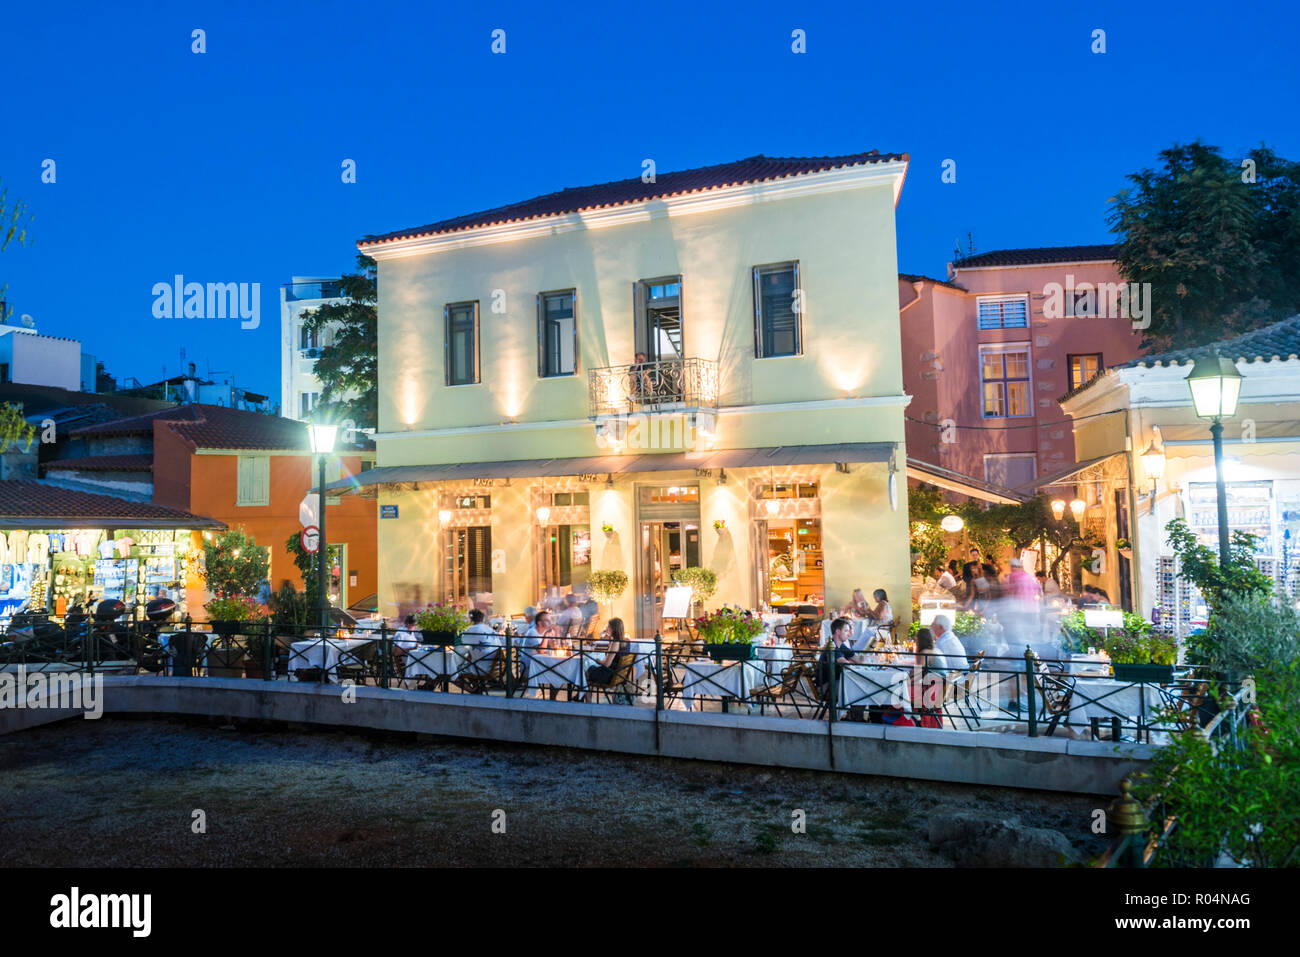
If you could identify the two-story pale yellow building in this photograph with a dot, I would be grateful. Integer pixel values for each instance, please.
(700, 369)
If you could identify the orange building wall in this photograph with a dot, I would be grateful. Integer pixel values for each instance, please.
(208, 485)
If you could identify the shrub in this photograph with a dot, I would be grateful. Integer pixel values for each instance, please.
(729, 625)
(1236, 800)
(1246, 633)
(292, 610)
(234, 564)
(607, 584)
(235, 609)
(442, 618)
(703, 581)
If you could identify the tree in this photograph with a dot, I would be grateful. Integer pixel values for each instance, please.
(348, 368)
(235, 565)
(13, 216)
(14, 427)
(1217, 239)
(306, 561)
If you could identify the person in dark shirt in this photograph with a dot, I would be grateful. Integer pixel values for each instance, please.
(841, 647)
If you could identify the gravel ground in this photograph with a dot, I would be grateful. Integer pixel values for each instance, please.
(122, 792)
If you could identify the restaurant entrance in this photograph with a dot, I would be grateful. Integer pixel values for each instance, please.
(668, 541)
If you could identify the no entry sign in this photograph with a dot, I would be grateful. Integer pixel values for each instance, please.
(311, 538)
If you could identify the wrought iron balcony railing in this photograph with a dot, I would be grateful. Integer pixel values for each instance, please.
(665, 385)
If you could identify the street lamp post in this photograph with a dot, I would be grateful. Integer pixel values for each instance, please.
(1216, 386)
(322, 444)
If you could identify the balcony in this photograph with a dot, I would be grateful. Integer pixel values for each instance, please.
(668, 385)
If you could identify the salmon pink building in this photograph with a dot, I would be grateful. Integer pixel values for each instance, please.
(988, 352)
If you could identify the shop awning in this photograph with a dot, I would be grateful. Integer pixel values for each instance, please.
(37, 505)
(618, 464)
(961, 483)
(1062, 477)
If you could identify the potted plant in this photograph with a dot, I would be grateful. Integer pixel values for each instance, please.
(1124, 547)
(608, 529)
(226, 618)
(256, 634)
(703, 582)
(1076, 636)
(608, 584)
(1139, 653)
(720, 525)
(728, 634)
(441, 624)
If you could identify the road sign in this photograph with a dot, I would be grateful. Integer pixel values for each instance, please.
(388, 511)
(310, 539)
(309, 510)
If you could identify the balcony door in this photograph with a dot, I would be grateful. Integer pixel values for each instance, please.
(658, 319)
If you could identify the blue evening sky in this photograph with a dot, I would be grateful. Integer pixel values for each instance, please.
(225, 166)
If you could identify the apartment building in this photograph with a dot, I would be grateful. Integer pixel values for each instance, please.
(299, 347)
(703, 370)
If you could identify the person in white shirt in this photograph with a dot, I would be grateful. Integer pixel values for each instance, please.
(948, 580)
(571, 619)
(951, 652)
(479, 632)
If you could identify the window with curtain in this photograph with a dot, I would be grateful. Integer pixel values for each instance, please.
(1004, 375)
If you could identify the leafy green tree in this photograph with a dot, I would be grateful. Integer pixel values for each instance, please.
(1218, 240)
(13, 217)
(348, 368)
(15, 428)
(305, 561)
(235, 565)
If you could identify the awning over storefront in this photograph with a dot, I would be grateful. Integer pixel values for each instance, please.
(617, 464)
(1064, 475)
(1266, 437)
(962, 484)
(36, 505)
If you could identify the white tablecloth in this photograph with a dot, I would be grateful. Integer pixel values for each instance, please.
(866, 685)
(438, 661)
(1116, 699)
(774, 657)
(557, 671)
(324, 654)
(730, 679)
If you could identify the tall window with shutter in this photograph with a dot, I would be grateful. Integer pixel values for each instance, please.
(777, 311)
(462, 343)
(253, 480)
(557, 333)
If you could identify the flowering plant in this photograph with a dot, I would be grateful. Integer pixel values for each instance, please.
(241, 608)
(719, 524)
(442, 618)
(729, 625)
(607, 528)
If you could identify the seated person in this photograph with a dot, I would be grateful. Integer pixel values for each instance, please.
(951, 653)
(948, 579)
(618, 657)
(881, 613)
(841, 631)
(542, 634)
(571, 620)
(479, 632)
(858, 605)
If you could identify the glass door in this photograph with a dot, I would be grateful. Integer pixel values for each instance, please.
(666, 548)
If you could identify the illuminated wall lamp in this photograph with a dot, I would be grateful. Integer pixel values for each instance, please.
(1077, 507)
(1058, 508)
(543, 515)
(444, 515)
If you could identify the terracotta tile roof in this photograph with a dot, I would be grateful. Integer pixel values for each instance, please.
(36, 504)
(755, 169)
(216, 427)
(914, 277)
(103, 463)
(1042, 255)
(1280, 340)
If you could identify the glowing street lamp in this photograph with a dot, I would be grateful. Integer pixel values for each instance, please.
(322, 436)
(1077, 507)
(1058, 508)
(1216, 385)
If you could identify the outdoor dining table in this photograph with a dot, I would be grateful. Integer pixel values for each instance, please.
(1095, 699)
(728, 680)
(547, 670)
(322, 653)
(441, 662)
(863, 685)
